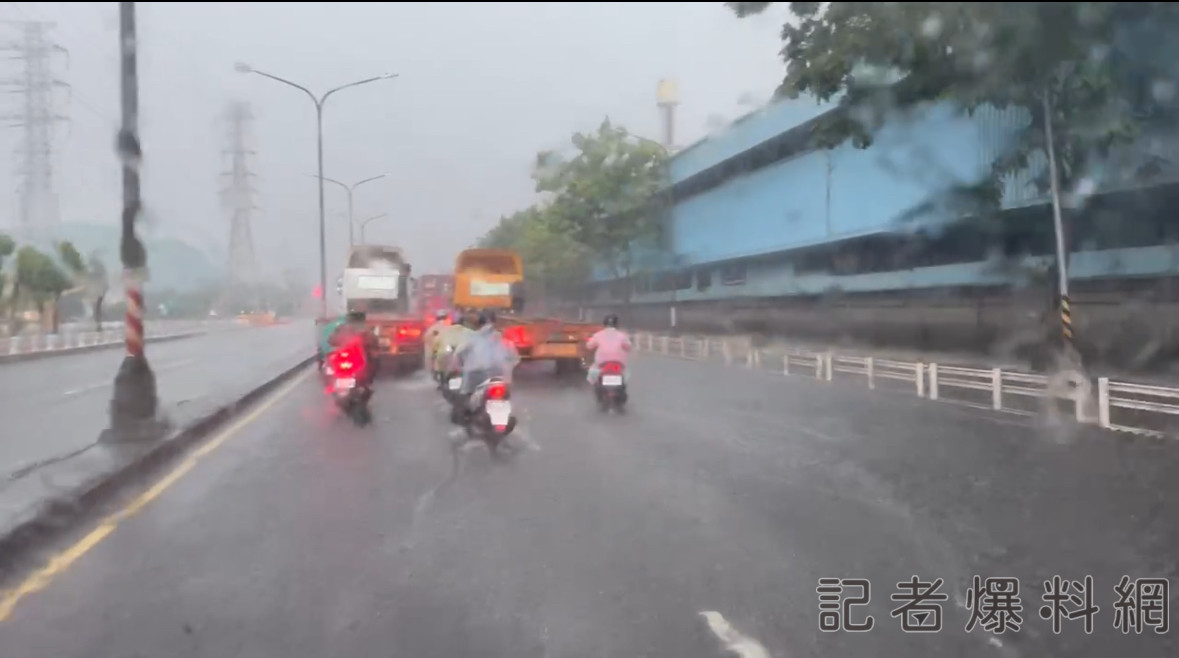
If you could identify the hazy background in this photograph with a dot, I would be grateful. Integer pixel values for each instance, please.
(483, 87)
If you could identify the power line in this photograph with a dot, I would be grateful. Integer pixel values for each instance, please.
(37, 117)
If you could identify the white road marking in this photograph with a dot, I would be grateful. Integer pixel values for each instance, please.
(734, 641)
(171, 365)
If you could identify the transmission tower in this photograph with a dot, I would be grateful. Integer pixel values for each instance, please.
(239, 198)
(36, 86)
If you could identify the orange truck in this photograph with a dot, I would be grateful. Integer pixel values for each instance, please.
(493, 279)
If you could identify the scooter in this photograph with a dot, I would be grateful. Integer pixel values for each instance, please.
(487, 414)
(344, 370)
(610, 389)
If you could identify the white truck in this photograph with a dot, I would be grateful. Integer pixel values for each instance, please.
(377, 281)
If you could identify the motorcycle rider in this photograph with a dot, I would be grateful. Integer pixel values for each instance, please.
(484, 355)
(430, 338)
(450, 340)
(329, 329)
(354, 326)
(608, 344)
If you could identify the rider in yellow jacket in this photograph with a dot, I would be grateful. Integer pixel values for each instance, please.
(430, 337)
(449, 341)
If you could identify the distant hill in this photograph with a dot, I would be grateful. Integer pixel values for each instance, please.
(173, 264)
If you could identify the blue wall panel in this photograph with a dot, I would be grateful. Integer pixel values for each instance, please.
(824, 195)
(745, 133)
(770, 280)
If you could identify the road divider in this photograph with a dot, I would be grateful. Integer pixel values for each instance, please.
(39, 346)
(36, 504)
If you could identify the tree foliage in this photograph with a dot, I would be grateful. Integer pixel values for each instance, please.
(71, 259)
(7, 247)
(1084, 61)
(551, 255)
(40, 279)
(603, 198)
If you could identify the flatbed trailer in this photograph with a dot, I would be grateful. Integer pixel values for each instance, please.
(492, 279)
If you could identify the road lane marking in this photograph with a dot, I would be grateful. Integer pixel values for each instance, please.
(734, 641)
(110, 382)
(59, 563)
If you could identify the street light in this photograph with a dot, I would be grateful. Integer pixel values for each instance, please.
(319, 101)
(350, 189)
(366, 221)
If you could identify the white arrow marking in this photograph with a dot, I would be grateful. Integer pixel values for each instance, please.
(734, 641)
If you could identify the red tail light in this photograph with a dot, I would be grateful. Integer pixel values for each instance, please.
(343, 362)
(348, 360)
(497, 391)
(408, 332)
(612, 368)
(518, 336)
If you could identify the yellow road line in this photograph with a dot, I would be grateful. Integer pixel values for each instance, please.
(59, 563)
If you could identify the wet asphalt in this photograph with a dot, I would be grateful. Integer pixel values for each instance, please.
(704, 517)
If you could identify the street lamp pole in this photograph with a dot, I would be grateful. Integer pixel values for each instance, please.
(350, 189)
(365, 223)
(319, 102)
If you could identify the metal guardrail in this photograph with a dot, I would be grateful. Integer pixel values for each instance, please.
(1122, 406)
(29, 343)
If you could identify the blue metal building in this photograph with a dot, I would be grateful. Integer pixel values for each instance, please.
(760, 214)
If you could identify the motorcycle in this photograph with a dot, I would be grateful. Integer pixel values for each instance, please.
(453, 384)
(344, 370)
(610, 389)
(449, 379)
(487, 415)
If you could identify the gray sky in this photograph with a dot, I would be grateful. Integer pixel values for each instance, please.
(483, 87)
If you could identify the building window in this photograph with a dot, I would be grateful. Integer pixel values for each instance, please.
(733, 275)
(703, 279)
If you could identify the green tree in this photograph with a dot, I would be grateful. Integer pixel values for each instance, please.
(7, 247)
(40, 279)
(606, 197)
(1065, 63)
(552, 257)
(71, 259)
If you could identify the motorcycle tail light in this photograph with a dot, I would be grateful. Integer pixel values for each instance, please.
(497, 391)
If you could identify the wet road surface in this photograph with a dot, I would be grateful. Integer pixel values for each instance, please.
(703, 517)
(53, 406)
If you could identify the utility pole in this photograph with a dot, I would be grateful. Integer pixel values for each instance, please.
(365, 222)
(1066, 315)
(36, 85)
(319, 102)
(351, 189)
(239, 197)
(134, 405)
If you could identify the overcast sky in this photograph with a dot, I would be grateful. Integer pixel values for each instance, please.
(482, 88)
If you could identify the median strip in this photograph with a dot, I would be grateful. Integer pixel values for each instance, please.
(39, 502)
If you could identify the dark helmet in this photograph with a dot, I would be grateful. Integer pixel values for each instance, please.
(485, 318)
(611, 321)
(356, 316)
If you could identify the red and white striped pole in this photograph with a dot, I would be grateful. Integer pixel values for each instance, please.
(134, 405)
(133, 318)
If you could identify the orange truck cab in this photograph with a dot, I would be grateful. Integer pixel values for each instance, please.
(493, 279)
